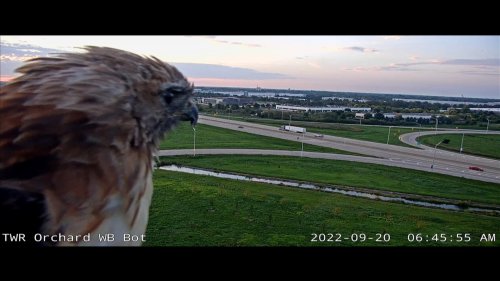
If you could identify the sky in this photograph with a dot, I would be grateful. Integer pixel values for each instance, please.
(451, 66)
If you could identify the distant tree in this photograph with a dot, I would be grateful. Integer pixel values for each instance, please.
(379, 116)
(368, 115)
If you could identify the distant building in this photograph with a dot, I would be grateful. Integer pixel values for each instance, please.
(492, 109)
(231, 101)
(332, 98)
(237, 101)
(408, 115)
(348, 99)
(321, 109)
(360, 115)
(212, 100)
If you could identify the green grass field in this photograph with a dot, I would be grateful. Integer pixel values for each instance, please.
(215, 137)
(349, 174)
(483, 145)
(192, 210)
(367, 133)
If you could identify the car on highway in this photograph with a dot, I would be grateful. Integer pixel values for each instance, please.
(241, 127)
(318, 135)
(475, 168)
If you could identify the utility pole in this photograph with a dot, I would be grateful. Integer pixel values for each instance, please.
(290, 123)
(389, 134)
(436, 125)
(302, 151)
(488, 126)
(462, 144)
(434, 157)
(194, 141)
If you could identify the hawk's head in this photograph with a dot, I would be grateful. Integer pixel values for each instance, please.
(174, 103)
(77, 136)
(160, 94)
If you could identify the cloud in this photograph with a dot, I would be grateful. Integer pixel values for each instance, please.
(391, 67)
(252, 45)
(407, 64)
(23, 52)
(358, 68)
(360, 49)
(200, 70)
(478, 62)
(476, 72)
(314, 65)
(395, 67)
(392, 37)
(488, 64)
(12, 56)
(488, 67)
(6, 78)
(467, 62)
(214, 39)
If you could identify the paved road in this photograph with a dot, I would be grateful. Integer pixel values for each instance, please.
(420, 159)
(411, 138)
(387, 162)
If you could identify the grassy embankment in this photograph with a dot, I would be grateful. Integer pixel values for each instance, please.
(215, 137)
(348, 173)
(191, 210)
(482, 145)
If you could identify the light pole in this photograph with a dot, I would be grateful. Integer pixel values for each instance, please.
(488, 125)
(437, 121)
(389, 134)
(302, 151)
(462, 144)
(434, 157)
(435, 148)
(194, 141)
(290, 123)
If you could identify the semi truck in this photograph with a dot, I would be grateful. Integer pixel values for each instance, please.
(293, 129)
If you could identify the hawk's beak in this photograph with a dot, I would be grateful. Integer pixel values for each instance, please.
(190, 114)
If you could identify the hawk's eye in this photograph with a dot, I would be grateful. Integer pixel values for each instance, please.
(171, 90)
(168, 96)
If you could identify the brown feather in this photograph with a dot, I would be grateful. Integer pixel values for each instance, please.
(86, 126)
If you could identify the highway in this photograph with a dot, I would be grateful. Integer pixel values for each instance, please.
(449, 163)
(411, 138)
(372, 160)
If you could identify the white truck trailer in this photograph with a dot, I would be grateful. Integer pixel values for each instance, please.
(293, 129)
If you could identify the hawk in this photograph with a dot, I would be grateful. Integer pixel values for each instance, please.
(78, 136)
